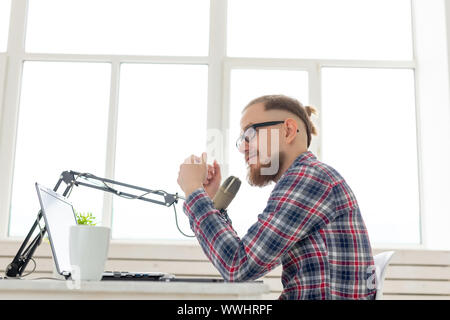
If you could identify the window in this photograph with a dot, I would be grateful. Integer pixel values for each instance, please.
(160, 68)
(347, 80)
(143, 27)
(157, 129)
(127, 89)
(320, 29)
(369, 115)
(62, 126)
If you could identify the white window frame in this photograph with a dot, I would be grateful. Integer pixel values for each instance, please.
(2, 80)
(220, 67)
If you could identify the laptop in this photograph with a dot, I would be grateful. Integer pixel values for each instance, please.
(59, 216)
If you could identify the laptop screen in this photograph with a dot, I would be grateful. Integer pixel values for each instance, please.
(59, 216)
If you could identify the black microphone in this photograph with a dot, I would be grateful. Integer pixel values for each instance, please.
(226, 193)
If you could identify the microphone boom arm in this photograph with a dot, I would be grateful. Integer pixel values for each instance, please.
(70, 178)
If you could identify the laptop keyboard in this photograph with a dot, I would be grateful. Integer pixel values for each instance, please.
(125, 275)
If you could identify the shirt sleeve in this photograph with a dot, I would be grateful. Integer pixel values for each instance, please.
(300, 204)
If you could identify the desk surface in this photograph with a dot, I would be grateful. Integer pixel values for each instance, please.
(60, 290)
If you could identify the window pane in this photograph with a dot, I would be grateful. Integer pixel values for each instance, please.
(345, 29)
(62, 126)
(4, 23)
(147, 27)
(162, 120)
(245, 86)
(369, 136)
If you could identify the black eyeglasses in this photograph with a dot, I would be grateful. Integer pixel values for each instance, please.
(250, 132)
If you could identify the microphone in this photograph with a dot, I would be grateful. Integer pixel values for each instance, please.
(226, 193)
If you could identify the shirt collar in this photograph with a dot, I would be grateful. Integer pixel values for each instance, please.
(305, 156)
(302, 158)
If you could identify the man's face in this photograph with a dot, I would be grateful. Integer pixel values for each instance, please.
(262, 146)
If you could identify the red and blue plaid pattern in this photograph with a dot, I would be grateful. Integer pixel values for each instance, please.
(312, 225)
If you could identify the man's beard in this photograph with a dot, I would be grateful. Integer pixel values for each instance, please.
(255, 176)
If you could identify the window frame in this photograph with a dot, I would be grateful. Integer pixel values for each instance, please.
(218, 109)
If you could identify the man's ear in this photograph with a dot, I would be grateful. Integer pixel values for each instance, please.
(291, 129)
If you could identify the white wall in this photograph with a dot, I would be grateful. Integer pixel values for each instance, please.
(432, 81)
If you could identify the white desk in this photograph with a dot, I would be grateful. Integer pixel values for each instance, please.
(62, 290)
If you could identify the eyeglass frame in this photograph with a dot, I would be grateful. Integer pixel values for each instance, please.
(254, 126)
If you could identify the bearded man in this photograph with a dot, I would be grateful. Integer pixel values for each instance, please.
(312, 223)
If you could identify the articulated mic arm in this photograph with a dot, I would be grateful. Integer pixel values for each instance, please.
(72, 178)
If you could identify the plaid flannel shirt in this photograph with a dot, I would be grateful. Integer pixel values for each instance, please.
(312, 225)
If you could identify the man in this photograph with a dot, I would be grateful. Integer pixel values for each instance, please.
(312, 224)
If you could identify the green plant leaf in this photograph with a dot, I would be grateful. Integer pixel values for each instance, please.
(85, 218)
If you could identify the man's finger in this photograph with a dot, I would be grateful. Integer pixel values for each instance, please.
(190, 160)
(204, 157)
(216, 168)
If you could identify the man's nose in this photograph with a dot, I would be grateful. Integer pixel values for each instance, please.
(243, 147)
(246, 145)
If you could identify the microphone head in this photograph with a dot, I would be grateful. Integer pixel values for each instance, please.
(226, 192)
(231, 184)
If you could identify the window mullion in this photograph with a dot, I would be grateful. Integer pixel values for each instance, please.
(315, 100)
(217, 110)
(111, 141)
(10, 111)
(422, 217)
(110, 57)
(289, 63)
(2, 79)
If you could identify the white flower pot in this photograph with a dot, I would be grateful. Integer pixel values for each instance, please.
(88, 246)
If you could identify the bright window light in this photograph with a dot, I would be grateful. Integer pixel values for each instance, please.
(162, 121)
(62, 126)
(345, 29)
(369, 136)
(5, 6)
(137, 27)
